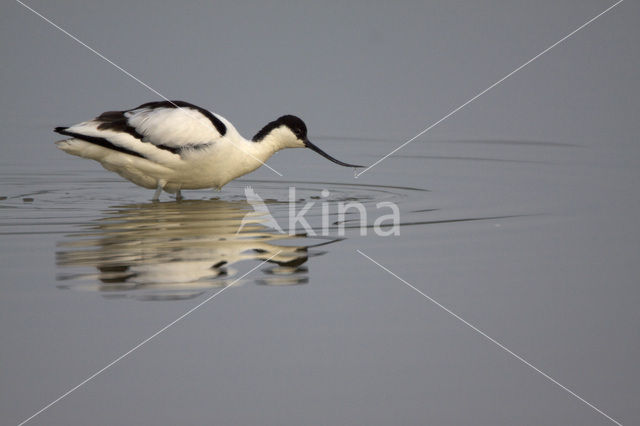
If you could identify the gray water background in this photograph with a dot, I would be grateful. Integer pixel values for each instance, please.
(552, 155)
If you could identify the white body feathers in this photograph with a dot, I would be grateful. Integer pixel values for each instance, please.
(172, 145)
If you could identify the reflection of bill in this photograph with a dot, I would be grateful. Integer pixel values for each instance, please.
(165, 251)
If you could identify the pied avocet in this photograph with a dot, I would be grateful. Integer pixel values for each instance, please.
(174, 145)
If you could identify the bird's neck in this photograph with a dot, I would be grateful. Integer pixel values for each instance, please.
(263, 149)
(275, 140)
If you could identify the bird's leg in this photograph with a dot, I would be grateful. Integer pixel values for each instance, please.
(156, 195)
(178, 196)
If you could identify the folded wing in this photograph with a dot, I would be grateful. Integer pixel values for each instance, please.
(156, 130)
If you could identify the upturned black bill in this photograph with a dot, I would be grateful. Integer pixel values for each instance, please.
(311, 146)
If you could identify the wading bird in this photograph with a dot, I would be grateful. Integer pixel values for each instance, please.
(174, 145)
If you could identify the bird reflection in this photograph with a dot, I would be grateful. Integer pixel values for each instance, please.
(179, 250)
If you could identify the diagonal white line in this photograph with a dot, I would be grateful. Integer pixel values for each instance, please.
(492, 340)
(129, 74)
(95, 51)
(163, 329)
(491, 87)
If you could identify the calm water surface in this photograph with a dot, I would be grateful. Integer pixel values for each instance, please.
(508, 234)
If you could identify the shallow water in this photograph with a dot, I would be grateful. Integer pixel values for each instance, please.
(506, 234)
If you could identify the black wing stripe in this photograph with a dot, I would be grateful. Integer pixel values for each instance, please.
(106, 144)
(170, 149)
(178, 150)
(217, 123)
(97, 141)
(115, 120)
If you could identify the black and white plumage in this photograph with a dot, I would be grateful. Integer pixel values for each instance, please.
(174, 145)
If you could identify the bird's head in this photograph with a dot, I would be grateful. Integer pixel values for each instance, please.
(290, 131)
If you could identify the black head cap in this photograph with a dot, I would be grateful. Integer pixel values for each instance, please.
(294, 123)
